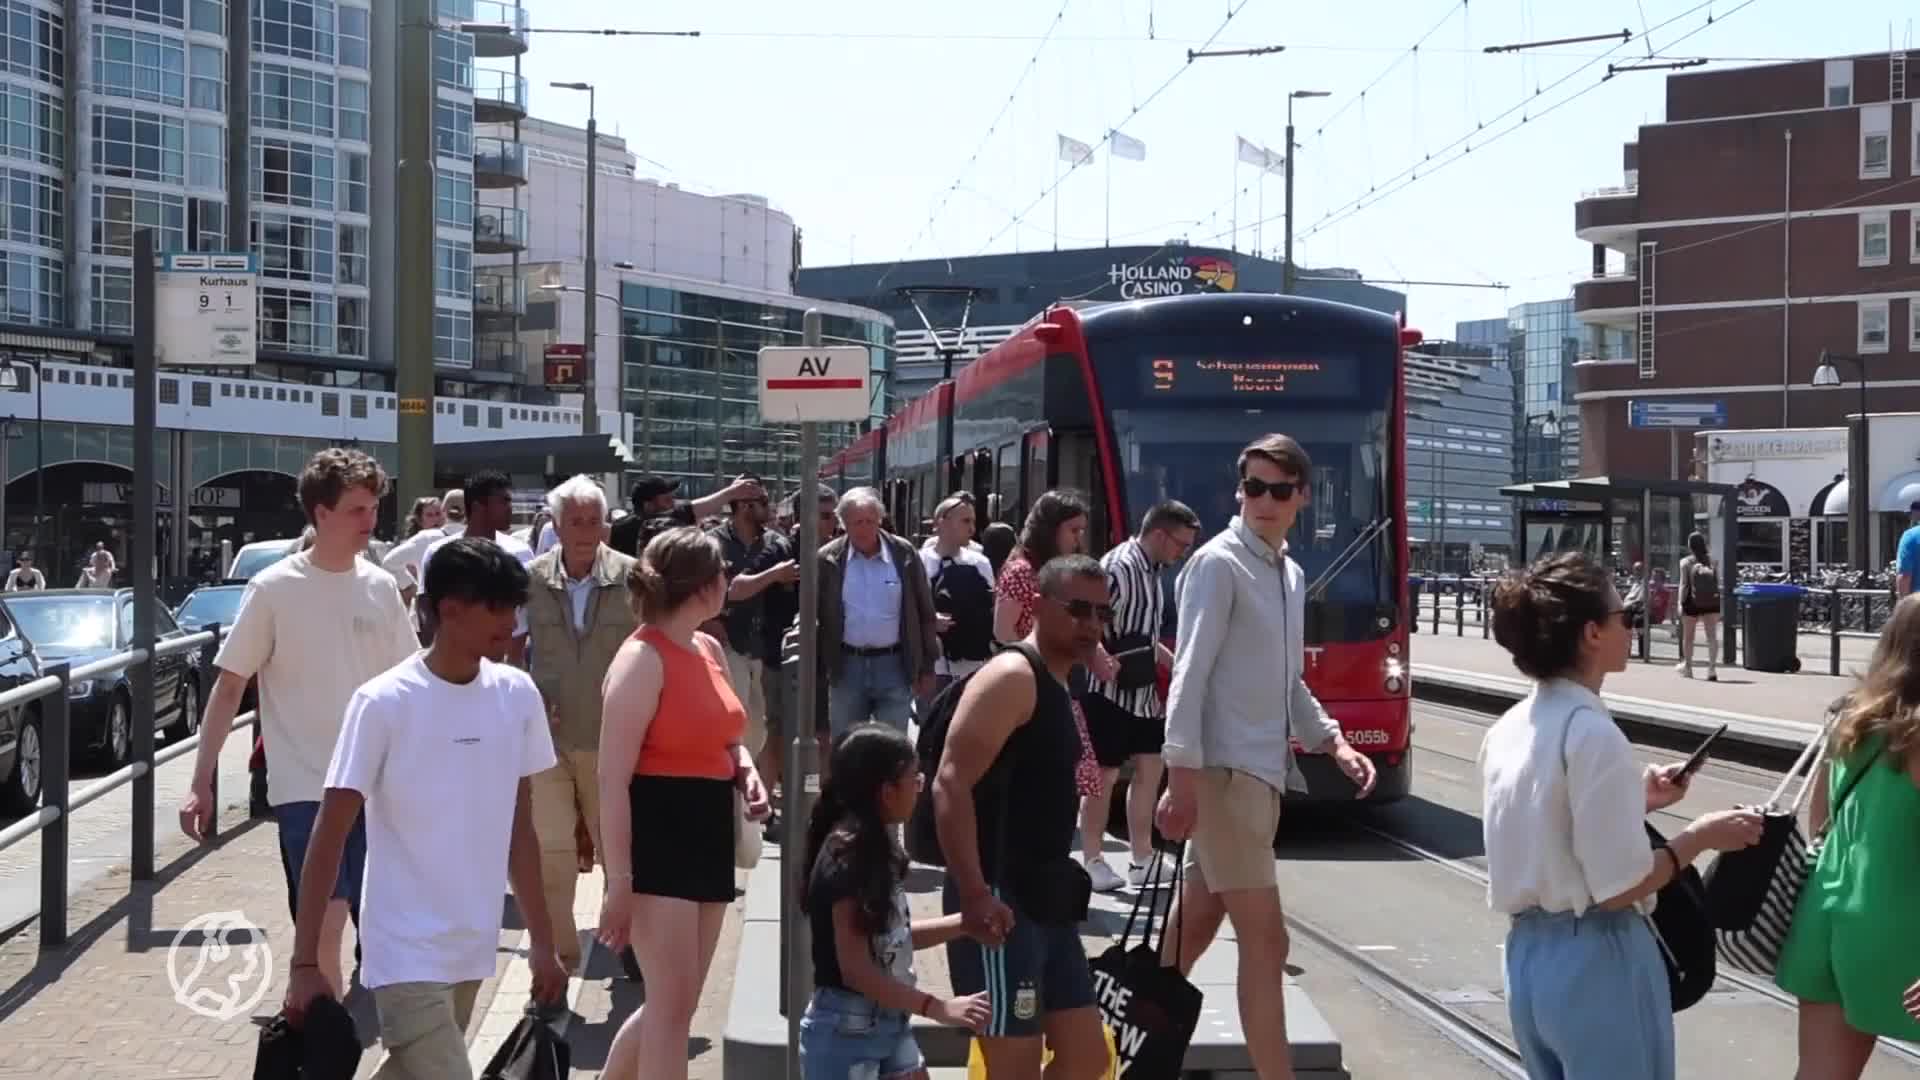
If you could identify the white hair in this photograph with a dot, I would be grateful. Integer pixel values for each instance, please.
(859, 497)
(580, 488)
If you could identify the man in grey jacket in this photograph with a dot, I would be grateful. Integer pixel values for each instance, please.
(1242, 611)
(877, 636)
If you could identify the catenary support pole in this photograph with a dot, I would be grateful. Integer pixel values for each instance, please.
(803, 754)
(145, 549)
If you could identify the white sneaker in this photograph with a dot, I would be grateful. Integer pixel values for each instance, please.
(1137, 873)
(1104, 879)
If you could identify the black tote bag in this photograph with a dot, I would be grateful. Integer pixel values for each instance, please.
(532, 1052)
(1684, 931)
(1150, 1010)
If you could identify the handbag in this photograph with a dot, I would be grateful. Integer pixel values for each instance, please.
(1139, 662)
(747, 840)
(532, 1052)
(1150, 1010)
(1683, 928)
(1752, 893)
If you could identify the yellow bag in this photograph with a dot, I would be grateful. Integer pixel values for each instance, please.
(977, 1064)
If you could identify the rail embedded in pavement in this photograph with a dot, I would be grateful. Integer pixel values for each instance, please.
(58, 799)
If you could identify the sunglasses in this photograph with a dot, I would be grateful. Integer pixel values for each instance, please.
(1622, 614)
(1254, 487)
(1084, 609)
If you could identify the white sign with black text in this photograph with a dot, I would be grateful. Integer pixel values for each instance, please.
(204, 311)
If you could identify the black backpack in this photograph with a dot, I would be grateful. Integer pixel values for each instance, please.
(962, 593)
(923, 839)
(1706, 587)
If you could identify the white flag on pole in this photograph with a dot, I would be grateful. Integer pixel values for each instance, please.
(1126, 146)
(1258, 156)
(1075, 151)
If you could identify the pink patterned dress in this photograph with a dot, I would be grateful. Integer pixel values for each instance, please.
(1017, 583)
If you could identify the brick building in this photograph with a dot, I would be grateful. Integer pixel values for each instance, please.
(1774, 214)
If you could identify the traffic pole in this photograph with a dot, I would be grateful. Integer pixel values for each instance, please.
(146, 403)
(803, 753)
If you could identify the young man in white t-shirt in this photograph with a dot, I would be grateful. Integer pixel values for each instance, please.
(951, 550)
(438, 752)
(312, 627)
(489, 504)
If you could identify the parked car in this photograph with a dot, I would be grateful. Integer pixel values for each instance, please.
(202, 608)
(20, 744)
(257, 556)
(80, 626)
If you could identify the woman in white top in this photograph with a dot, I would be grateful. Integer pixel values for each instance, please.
(1568, 855)
(98, 573)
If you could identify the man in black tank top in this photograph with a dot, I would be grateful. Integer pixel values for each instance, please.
(1005, 806)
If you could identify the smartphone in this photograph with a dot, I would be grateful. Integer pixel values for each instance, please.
(1699, 757)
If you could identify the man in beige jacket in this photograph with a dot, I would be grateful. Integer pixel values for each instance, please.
(578, 614)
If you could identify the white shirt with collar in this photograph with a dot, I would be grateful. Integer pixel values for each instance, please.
(579, 590)
(1565, 804)
(870, 599)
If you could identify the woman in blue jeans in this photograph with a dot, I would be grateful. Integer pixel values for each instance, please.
(1567, 851)
(864, 998)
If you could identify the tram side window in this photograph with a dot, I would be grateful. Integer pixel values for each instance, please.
(1035, 483)
(1007, 485)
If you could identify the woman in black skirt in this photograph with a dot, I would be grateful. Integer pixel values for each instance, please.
(670, 762)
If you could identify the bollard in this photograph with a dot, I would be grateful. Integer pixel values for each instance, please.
(55, 787)
(207, 653)
(1460, 610)
(1414, 603)
(1486, 611)
(1833, 632)
(1436, 614)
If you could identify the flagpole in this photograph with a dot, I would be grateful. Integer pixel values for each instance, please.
(1235, 244)
(1056, 202)
(1107, 240)
(1260, 225)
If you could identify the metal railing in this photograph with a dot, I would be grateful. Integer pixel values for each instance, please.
(59, 800)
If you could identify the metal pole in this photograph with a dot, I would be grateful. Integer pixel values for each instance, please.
(239, 120)
(413, 256)
(145, 550)
(39, 454)
(803, 754)
(720, 400)
(1286, 271)
(56, 787)
(6, 474)
(1861, 493)
(589, 396)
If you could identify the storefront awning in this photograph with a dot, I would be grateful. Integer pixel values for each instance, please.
(1902, 493)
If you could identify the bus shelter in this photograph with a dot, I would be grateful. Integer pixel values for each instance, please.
(1623, 521)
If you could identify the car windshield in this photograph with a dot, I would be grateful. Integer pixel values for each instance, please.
(210, 606)
(252, 560)
(65, 622)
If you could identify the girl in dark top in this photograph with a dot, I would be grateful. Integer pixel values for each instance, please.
(1699, 604)
(864, 995)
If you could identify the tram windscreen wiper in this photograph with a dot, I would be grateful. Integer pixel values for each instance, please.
(1367, 535)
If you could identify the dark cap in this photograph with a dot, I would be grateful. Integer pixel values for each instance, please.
(650, 486)
(1914, 508)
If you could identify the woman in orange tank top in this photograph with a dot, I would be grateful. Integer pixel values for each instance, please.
(670, 762)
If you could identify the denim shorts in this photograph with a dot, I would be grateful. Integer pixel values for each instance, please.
(844, 1036)
(296, 821)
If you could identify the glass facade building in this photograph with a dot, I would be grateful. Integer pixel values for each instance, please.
(1546, 341)
(1459, 455)
(690, 372)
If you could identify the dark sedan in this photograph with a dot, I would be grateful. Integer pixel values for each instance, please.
(80, 626)
(212, 604)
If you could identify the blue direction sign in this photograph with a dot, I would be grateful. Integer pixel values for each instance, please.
(1677, 414)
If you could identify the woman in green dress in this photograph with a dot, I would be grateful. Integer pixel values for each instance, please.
(1854, 946)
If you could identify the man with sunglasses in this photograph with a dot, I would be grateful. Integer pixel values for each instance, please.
(762, 598)
(1238, 696)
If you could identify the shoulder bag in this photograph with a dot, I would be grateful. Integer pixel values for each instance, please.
(1752, 892)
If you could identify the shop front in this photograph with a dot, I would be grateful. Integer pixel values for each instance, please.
(1783, 480)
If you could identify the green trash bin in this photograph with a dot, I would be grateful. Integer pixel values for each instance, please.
(1770, 625)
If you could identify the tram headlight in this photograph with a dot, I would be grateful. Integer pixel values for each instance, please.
(1396, 677)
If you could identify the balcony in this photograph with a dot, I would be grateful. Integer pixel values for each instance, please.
(499, 360)
(499, 97)
(498, 163)
(1613, 300)
(498, 297)
(1609, 216)
(498, 29)
(499, 230)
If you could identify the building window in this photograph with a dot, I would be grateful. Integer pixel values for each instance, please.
(33, 126)
(165, 12)
(296, 320)
(453, 60)
(208, 89)
(298, 28)
(117, 212)
(294, 247)
(140, 65)
(353, 108)
(353, 326)
(33, 290)
(353, 37)
(207, 224)
(292, 99)
(454, 206)
(353, 255)
(355, 175)
(1876, 238)
(1839, 83)
(35, 209)
(207, 156)
(452, 337)
(453, 129)
(1876, 141)
(33, 42)
(210, 16)
(1873, 326)
(452, 269)
(138, 144)
(112, 299)
(292, 174)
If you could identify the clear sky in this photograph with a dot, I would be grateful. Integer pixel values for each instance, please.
(870, 121)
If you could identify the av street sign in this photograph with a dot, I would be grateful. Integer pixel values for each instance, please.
(1677, 414)
(799, 384)
(205, 310)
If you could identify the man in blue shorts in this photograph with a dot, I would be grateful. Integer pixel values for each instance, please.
(1908, 561)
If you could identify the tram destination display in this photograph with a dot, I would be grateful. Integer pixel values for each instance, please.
(1208, 377)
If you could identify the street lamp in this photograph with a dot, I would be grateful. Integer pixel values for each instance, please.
(590, 416)
(1286, 272)
(12, 370)
(1827, 376)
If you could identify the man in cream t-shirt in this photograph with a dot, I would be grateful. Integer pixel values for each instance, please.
(313, 627)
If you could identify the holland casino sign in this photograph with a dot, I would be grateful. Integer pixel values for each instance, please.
(1176, 277)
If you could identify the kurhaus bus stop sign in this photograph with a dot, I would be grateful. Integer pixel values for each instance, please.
(799, 384)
